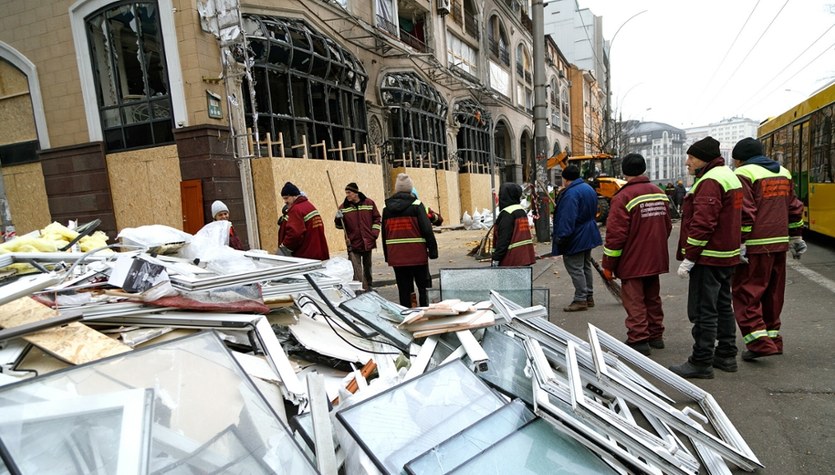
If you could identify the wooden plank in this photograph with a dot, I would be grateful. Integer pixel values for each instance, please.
(75, 343)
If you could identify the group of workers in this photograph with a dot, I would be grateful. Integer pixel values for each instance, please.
(737, 226)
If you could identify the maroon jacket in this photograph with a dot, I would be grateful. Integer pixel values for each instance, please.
(362, 223)
(304, 231)
(770, 210)
(408, 239)
(712, 217)
(637, 230)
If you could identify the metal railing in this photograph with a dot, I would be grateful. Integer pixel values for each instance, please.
(499, 51)
(414, 42)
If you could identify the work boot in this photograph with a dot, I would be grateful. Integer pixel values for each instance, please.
(726, 364)
(590, 302)
(576, 307)
(749, 355)
(689, 370)
(641, 347)
(658, 344)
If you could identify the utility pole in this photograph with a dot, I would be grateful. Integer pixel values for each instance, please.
(543, 224)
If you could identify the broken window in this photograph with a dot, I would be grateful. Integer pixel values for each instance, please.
(418, 120)
(473, 140)
(308, 89)
(130, 75)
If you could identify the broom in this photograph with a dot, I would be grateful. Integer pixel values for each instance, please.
(612, 286)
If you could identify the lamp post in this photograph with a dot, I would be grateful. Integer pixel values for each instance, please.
(543, 224)
(607, 118)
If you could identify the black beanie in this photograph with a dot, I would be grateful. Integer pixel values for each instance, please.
(290, 189)
(747, 148)
(633, 164)
(571, 172)
(352, 187)
(705, 150)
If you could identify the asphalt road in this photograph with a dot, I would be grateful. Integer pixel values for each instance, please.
(784, 406)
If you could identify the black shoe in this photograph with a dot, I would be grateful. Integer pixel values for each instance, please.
(689, 370)
(641, 347)
(749, 355)
(576, 307)
(726, 364)
(590, 302)
(657, 344)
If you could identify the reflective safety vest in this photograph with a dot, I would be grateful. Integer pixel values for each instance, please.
(722, 247)
(520, 252)
(406, 246)
(770, 212)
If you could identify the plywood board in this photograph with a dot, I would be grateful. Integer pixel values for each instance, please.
(424, 180)
(475, 192)
(75, 343)
(448, 197)
(26, 195)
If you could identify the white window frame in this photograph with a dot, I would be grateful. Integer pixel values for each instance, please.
(18, 60)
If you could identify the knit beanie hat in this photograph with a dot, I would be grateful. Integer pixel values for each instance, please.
(352, 187)
(747, 148)
(571, 172)
(290, 189)
(706, 149)
(217, 207)
(633, 164)
(403, 184)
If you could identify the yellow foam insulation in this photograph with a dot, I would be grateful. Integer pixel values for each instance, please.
(311, 176)
(26, 195)
(52, 238)
(145, 187)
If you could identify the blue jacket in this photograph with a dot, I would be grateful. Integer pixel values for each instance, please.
(575, 228)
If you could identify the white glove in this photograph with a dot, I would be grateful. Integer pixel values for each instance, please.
(743, 257)
(684, 268)
(797, 246)
(339, 214)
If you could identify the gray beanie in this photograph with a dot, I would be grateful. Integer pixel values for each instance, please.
(403, 184)
(217, 207)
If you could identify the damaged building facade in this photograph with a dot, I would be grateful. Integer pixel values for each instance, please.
(146, 112)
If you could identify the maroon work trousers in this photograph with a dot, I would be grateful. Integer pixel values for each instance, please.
(758, 289)
(642, 301)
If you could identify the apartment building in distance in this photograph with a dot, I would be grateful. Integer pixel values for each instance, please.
(727, 131)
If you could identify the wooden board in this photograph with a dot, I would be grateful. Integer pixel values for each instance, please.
(75, 343)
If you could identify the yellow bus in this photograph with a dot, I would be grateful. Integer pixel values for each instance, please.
(802, 139)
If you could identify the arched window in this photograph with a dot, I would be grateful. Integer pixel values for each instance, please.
(130, 75)
(497, 41)
(305, 85)
(565, 109)
(554, 95)
(473, 140)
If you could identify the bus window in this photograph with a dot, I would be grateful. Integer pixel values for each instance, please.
(822, 146)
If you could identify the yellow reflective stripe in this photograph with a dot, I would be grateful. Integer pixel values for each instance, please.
(696, 242)
(375, 226)
(747, 229)
(644, 198)
(348, 210)
(310, 215)
(520, 243)
(764, 241)
(773, 333)
(612, 252)
(510, 209)
(405, 241)
(365, 208)
(709, 253)
(796, 224)
(754, 336)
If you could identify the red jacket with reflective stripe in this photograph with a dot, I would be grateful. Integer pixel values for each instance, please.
(512, 241)
(304, 231)
(408, 239)
(637, 230)
(362, 223)
(711, 217)
(770, 210)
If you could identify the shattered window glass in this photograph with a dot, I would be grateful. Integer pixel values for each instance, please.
(201, 414)
(475, 284)
(473, 139)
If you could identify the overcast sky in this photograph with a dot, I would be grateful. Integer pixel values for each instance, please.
(694, 62)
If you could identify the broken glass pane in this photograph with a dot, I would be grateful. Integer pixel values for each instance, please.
(207, 414)
(381, 315)
(537, 448)
(475, 284)
(508, 360)
(471, 441)
(397, 425)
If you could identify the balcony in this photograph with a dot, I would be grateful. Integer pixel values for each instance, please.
(414, 42)
(467, 20)
(499, 51)
(384, 24)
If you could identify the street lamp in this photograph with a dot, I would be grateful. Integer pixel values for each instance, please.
(606, 116)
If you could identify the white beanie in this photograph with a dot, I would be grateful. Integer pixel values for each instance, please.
(217, 207)
(403, 184)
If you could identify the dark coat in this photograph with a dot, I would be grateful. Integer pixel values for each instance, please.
(512, 241)
(304, 231)
(362, 223)
(408, 239)
(575, 228)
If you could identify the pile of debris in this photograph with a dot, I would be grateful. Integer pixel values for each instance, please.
(185, 356)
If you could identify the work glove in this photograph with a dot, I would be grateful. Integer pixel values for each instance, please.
(685, 268)
(494, 264)
(339, 214)
(798, 246)
(284, 250)
(608, 274)
(743, 257)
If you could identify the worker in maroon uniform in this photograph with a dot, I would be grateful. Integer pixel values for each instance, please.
(360, 219)
(772, 223)
(220, 212)
(709, 250)
(635, 250)
(512, 241)
(304, 233)
(408, 242)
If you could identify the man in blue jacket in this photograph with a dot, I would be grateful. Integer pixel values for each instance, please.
(576, 234)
